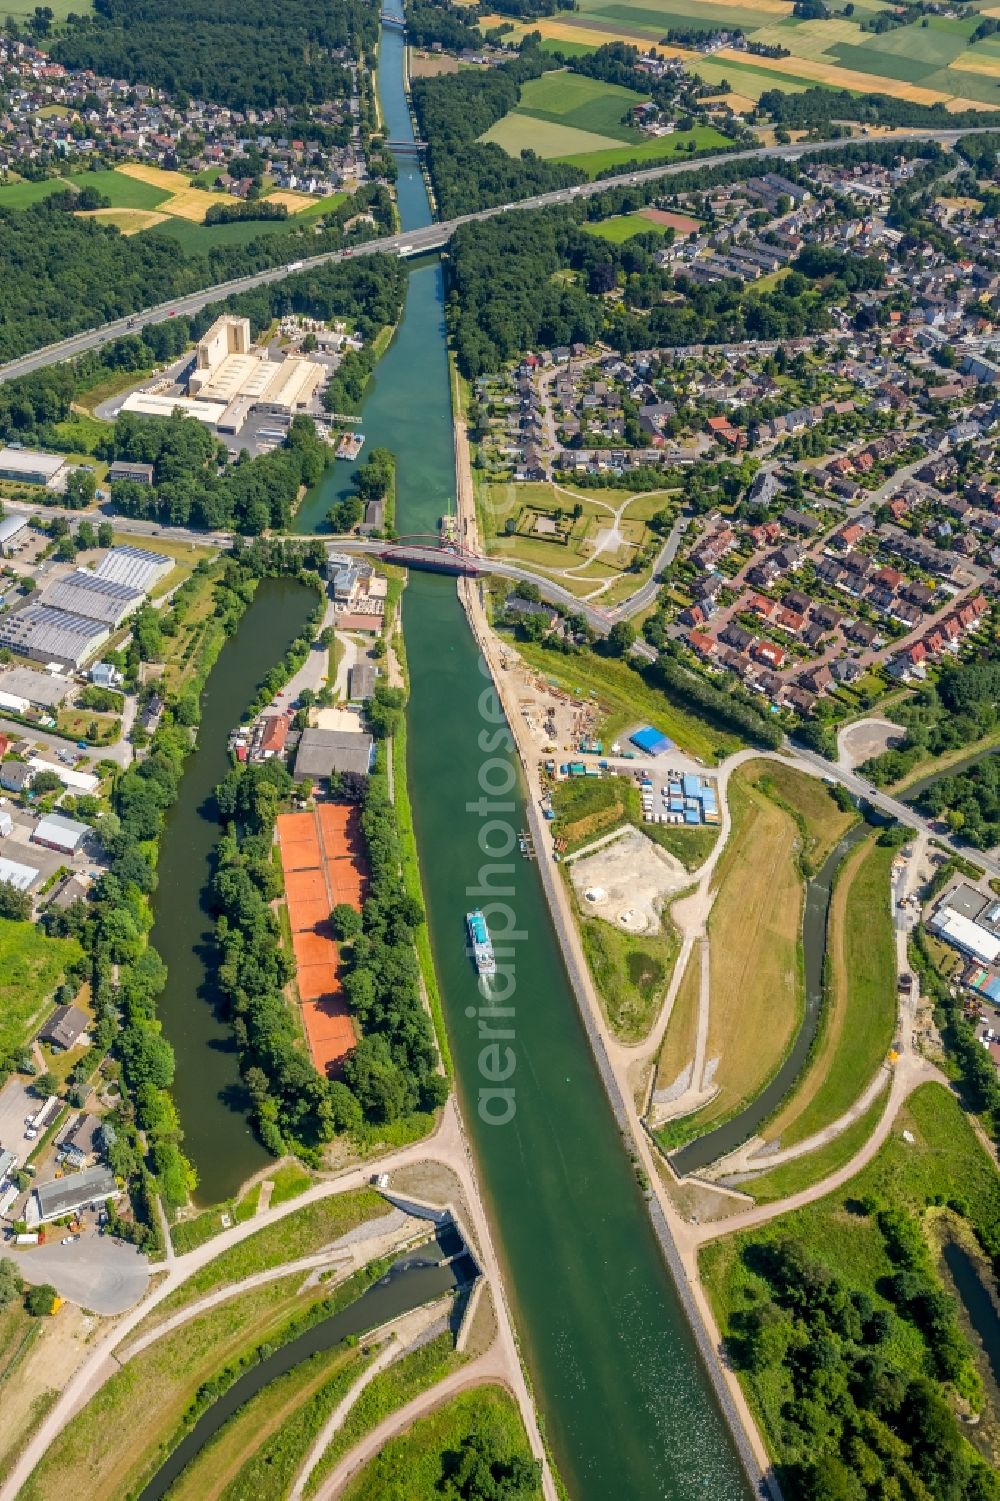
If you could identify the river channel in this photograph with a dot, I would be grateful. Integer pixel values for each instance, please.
(413, 1280)
(698, 1154)
(627, 1405)
(207, 1088)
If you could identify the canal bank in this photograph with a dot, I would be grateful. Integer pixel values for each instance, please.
(626, 1400)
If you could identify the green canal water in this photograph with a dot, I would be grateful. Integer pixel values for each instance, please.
(626, 1402)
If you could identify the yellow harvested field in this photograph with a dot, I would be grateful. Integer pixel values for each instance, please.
(840, 78)
(129, 220)
(190, 203)
(557, 30)
(738, 103)
(959, 105)
(810, 38)
(976, 62)
(171, 182)
(294, 202)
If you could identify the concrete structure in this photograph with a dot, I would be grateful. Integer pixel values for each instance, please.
(147, 404)
(50, 1201)
(28, 467)
(45, 690)
(230, 372)
(12, 534)
(227, 336)
(44, 633)
(13, 873)
(134, 568)
(84, 593)
(57, 833)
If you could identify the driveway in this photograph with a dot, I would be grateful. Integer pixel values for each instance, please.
(95, 1272)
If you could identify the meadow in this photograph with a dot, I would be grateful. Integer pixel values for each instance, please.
(31, 966)
(932, 60)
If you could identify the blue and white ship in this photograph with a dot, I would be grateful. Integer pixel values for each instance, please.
(482, 945)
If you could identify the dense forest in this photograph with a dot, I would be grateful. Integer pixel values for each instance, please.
(249, 54)
(447, 24)
(970, 802)
(63, 274)
(453, 110)
(503, 300)
(859, 1423)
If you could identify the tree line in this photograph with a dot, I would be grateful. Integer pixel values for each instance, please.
(248, 54)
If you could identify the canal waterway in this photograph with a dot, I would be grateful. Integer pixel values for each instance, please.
(207, 1087)
(413, 1280)
(698, 1154)
(626, 1402)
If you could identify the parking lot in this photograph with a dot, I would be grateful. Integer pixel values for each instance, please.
(96, 1272)
(15, 1104)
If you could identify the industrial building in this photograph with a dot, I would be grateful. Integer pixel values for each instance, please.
(25, 466)
(135, 474)
(42, 690)
(13, 531)
(13, 873)
(231, 379)
(970, 922)
(134, 568)
(66, 1196)
(84, 593)
(44, 633)
(347, 754)
(54, 832)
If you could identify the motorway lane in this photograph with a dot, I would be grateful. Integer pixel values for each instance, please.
(417, 241)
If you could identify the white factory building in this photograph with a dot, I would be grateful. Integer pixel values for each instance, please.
(231, 379)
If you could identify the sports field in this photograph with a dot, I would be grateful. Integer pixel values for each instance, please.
(932, 60)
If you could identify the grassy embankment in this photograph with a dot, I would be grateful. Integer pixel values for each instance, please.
(290, 1179)
(414, 1466)
(626, 700)
(587, 808)
(859, 1016)
(260, 1450)
(943, 1163)
(803, 1172)
(756, 992)
(405, 1379)
(680, 1038)
(31, 966)
(148, 1403)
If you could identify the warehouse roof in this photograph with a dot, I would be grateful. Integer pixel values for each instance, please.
(83, 593)
(13, 873)
(50, 632)
(47, 689)
(55, 829)
(10, 526)
(52, 1200)
(30, 461)
(323, 752)
(648, 739)
(134, 567)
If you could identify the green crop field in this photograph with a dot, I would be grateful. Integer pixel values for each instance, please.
(199, 239)
(31, 966)
(665, 148)
(124, 191)
(23, 194)
(882, 64)
(585, 103)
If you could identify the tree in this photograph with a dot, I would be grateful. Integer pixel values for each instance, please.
(81, 487)
(46, 781)
(346, 921)
(14, 904)
(40, 1300)
(11, 1281)
(45, 1084)
(621, 638)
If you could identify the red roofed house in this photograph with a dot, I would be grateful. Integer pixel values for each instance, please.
(849, 536)
(702, 643)
(770, 654)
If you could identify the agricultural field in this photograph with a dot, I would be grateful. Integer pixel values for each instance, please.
(31, 966)
(930, 61)
(566, 117)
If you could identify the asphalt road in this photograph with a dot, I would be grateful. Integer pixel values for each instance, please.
(417, 242)
(96, 1272)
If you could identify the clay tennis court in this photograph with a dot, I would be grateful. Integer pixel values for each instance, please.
(323, 860)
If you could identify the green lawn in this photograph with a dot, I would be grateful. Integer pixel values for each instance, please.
(199, 239)
(624, 227)
(23, 194)
(666, 148)
(413, 1467)
(631, 973)
(884, 64)
(782, 1182)
(31, 966)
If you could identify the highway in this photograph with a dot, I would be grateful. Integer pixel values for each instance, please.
(419, 242)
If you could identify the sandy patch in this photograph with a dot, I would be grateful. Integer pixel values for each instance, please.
(869, 737)
(682, 223)
(628, 882)
(424, 65)
(129, 220)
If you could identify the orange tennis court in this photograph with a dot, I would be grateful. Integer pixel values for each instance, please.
(323, 860)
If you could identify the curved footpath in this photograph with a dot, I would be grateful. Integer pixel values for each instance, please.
(448, 1146)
